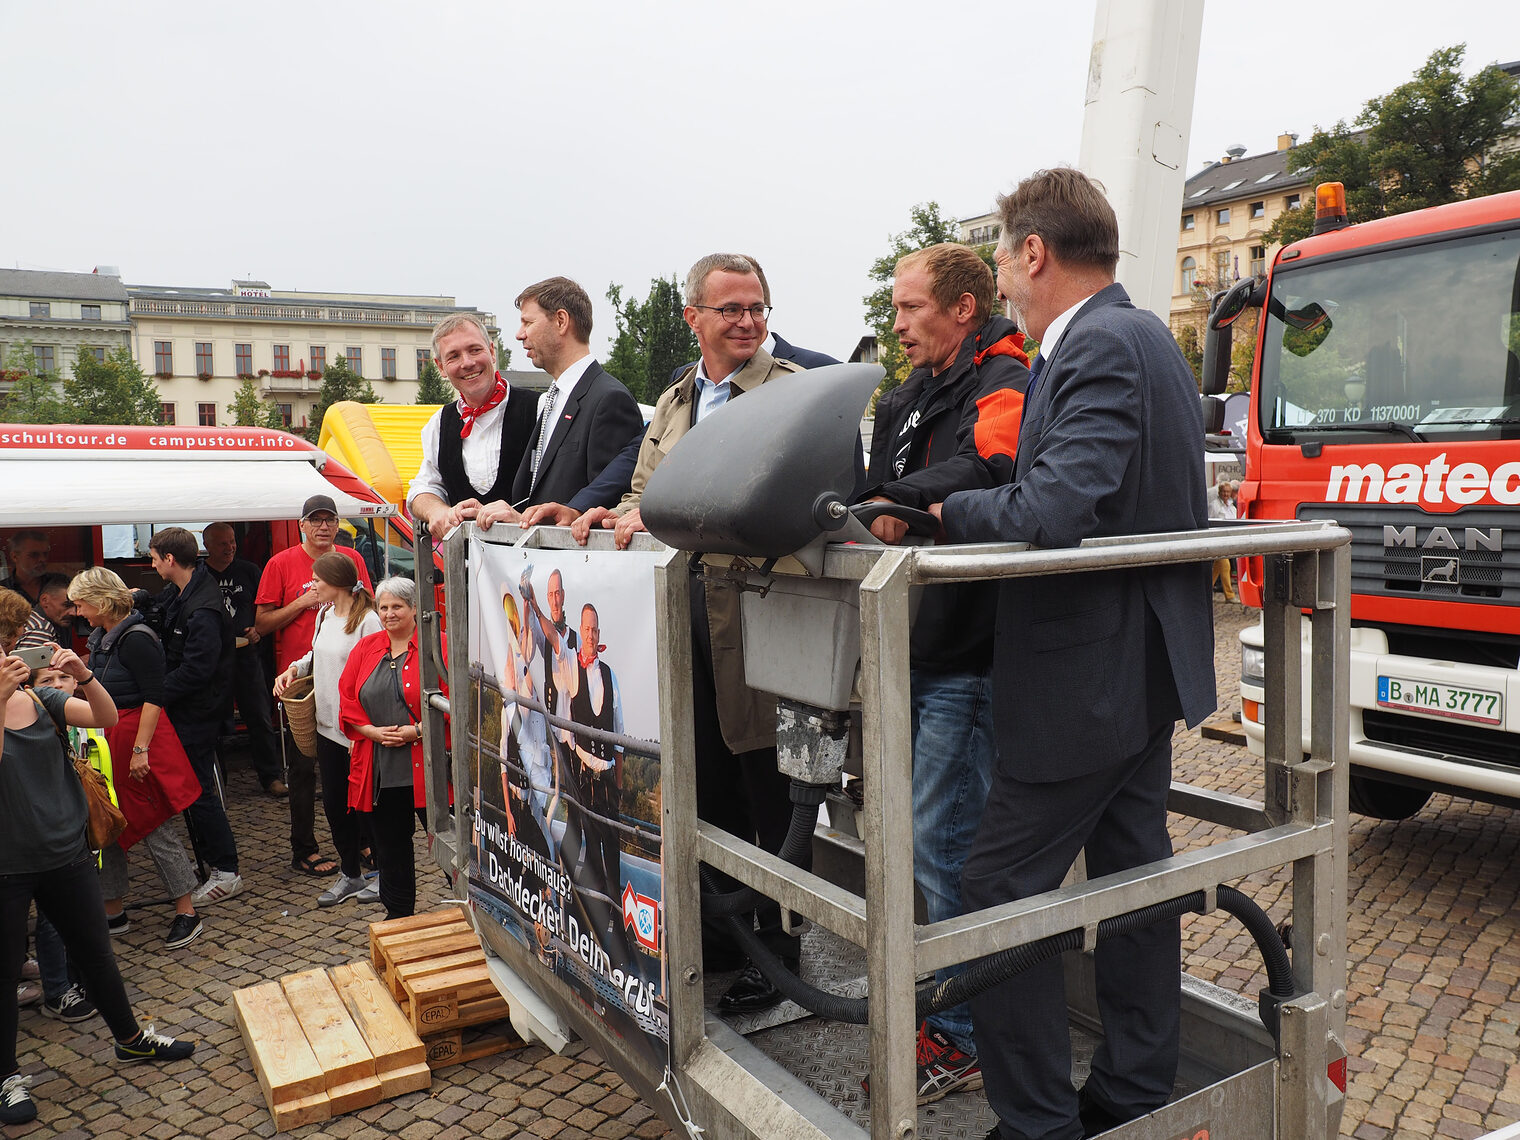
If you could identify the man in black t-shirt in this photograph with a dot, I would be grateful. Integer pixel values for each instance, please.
(239, 582)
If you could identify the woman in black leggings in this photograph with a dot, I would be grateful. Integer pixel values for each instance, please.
(45, 856)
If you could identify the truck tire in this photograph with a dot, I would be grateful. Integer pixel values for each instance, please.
(1384, 800)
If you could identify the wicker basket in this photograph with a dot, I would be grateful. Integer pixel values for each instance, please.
(300, 701)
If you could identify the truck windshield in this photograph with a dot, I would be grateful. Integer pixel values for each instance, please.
(1394, 345)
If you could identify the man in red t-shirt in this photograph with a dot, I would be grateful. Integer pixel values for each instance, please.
(287, 608)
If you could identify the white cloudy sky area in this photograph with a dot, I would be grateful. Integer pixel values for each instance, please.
(471, 148)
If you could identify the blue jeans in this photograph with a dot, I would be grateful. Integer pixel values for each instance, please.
(52, 961)
(954, 753)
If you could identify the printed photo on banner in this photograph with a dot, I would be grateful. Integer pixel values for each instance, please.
(567, 837)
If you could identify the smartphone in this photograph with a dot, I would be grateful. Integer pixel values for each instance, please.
(36, 657)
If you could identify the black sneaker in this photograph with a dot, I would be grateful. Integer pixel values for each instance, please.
(151, 1046)
(118, 924)
(185, 929)
(16, 1106)
(72, 1006)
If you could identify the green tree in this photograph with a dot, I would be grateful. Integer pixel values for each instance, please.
(503, 359)
(339, 383)
(33, 398)
(112, 391)
(432, 388)
(928, 228)
(653, 338)
(1427, 142)
(1192, 348)
(249, 410)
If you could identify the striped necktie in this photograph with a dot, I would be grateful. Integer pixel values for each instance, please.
(1034, 374)
(544, 427)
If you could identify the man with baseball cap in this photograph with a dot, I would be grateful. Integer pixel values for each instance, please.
(286, 607)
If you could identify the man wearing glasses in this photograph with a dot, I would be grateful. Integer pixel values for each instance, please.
(287, 607)
(738, 786)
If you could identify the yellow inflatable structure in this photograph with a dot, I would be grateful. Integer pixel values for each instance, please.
(380, 443)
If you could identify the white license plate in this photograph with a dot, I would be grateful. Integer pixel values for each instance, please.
(1481, 706)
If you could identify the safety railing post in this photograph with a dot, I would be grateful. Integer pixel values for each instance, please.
(888, 764)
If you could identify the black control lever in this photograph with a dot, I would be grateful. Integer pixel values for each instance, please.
(920, 523)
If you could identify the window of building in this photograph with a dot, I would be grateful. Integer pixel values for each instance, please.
(355, 360)
(166, 414)
(100, 355)
(423, 356)
(1267, 177)
(203, 365)
(1258, 209)
(244, 353)
(1258, 260)
(89, 312)
(1292, 201)
(1187, 221)
(1222, 269)
(1223, 216)
(287, 416)
(42, 309)
(46, 356)
(206, 414)
(318, 357)
(282, 358)
(387, 364)
(1189, 274)
(163, 358)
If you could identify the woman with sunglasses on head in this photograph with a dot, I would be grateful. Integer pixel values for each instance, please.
(347, 615)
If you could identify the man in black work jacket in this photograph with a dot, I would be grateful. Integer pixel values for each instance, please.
(953, 424)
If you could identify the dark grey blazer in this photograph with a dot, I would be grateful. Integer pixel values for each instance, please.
(599, 417)
(1088, 665)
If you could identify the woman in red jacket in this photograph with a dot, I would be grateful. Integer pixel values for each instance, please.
(380, 707)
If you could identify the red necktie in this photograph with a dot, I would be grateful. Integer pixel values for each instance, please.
(469, 415)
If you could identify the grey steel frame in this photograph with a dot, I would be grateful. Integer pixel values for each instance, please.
(719, 1081)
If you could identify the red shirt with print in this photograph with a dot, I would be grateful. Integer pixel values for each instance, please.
(286, 577)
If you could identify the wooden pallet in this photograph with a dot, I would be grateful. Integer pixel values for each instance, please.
(326, 1042)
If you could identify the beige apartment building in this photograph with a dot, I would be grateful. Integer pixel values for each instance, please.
(200, 344)
(1227, 208)
(61, 314)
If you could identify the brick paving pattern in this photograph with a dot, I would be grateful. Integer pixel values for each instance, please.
(1432, 1024)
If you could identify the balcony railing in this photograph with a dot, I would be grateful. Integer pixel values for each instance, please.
(273, 311)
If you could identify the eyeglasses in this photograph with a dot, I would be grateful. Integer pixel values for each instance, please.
(734, 313)
(322, 520)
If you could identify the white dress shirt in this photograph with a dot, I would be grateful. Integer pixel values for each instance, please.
(1057, 327)
(712, 395)
(567, 380)
(480, 450)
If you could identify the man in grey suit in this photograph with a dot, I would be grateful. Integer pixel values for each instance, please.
(583, 419)
(1091, 670)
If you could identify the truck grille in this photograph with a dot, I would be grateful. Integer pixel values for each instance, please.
(1401, 551)
(1447, 738)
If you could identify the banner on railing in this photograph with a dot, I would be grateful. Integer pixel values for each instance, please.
(566, 853)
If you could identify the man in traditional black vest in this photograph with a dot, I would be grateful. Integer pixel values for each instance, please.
(471, 448)
(595, 702)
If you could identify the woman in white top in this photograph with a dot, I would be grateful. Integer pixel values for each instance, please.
(347, 614)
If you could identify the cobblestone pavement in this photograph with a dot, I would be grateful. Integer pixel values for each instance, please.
(1433, 1024)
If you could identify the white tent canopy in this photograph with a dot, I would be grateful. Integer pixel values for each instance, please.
(69, 488)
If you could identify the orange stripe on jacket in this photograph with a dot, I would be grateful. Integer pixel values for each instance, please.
(998, 416)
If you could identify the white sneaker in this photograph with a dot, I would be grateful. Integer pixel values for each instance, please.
(344, 888)
(370, 893)
(220, 886)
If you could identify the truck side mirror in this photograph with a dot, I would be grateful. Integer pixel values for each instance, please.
(1217, 338)
(1213, 414)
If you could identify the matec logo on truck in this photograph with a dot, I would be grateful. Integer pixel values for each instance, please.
(1435, 483)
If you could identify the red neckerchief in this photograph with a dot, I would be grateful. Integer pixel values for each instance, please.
(585, 661)
(469, 415)
(1011, 345)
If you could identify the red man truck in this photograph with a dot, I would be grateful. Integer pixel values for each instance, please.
(1386, 395)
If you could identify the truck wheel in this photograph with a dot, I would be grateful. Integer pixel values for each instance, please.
(1383, 800)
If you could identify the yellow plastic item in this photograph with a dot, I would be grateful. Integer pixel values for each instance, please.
(380, 443)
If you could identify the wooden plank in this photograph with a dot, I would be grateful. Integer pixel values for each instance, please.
(421, 967)
(400, 1056)
(293, 1082)
(393, 957)
(390, 926)
(335, 1040)
(433, 1000)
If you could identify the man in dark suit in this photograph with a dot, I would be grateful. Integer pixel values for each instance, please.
(584, 418)
(615, 479)
(1090, 670)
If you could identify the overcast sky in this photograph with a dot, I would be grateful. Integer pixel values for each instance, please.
(469, 149)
